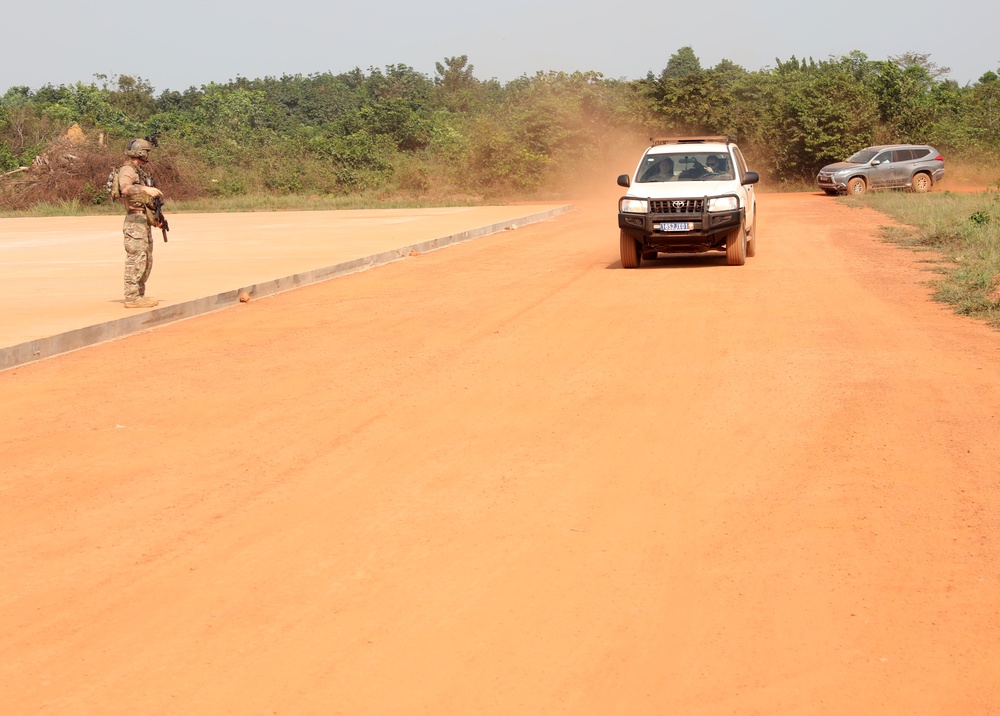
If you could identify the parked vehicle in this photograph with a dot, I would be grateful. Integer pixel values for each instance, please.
(688, 195)
(889, 166)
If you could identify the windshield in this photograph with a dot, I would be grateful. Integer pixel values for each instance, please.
(693, 166)
(863, 157)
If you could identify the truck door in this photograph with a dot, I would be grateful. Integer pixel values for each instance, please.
(880, 173)
(902, 164)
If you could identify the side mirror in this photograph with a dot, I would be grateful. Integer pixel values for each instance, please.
(623, 180)
(751, 178)
(876, 162)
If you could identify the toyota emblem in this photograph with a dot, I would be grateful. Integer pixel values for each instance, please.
(679, 204)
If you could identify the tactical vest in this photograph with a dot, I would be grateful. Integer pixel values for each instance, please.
(133, 202)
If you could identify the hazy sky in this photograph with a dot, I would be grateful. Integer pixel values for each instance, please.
(182, 43)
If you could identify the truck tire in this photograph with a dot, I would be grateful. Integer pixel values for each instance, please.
(856, 186)
(752, 238)
(921, 183)
(630, 251)
(736, 247)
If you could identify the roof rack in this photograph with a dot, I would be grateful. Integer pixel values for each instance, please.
(721, 138)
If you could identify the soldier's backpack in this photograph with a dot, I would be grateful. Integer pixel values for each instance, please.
(111, 187)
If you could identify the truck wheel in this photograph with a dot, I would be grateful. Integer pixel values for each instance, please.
(856, 186)
(752, 238)
(630, 251)
(921, 183)
(736, 247)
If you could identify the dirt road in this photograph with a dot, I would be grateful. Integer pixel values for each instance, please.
(512, 478)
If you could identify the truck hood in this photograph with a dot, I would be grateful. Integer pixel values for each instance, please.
(840, 166)
(682, 189)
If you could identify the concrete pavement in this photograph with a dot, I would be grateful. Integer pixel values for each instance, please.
(62, 276)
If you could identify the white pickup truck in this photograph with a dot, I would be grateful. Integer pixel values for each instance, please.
(689, 195)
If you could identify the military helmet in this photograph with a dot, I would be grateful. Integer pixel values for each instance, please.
(139, 148)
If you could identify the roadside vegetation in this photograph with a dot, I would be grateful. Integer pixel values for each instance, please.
(384, 136)
(961, 233)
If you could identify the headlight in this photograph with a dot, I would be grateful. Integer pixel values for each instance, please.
(723, 203)
(634, 206)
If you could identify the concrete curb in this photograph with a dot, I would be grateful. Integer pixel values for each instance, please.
(42, 348)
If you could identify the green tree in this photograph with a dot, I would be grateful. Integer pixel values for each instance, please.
(132, 96)
(395, 118)
(398, 82)
(24, 130)
(921, 61)
(802, 114)
(689, 103)
(173, 101)
(316, 99)
(682, 63)
(239, 114)
(455, 86)
(727, 72)
(983, 112)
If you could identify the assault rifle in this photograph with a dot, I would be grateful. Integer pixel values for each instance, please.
(157, 219)
(158, 216)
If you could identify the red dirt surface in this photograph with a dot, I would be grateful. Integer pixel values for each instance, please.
(511, 478)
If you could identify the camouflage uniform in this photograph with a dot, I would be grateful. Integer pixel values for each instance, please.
(138, 239)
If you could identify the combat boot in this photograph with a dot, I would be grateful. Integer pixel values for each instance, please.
(141, 302)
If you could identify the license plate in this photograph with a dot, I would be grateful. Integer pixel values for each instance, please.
(675, 226)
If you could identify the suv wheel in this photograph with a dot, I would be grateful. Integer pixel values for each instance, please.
(752, 238)
(630, 251)
(736, 247)
(921, 183)
(856, 186)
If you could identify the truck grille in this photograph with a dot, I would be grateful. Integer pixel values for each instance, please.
(676, 206)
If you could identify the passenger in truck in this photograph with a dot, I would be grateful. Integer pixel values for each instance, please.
(663, 170)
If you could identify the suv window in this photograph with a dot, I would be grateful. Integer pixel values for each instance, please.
(902, 155)
(686, 166)
(883, 157)
(862, 157)
(920, 153)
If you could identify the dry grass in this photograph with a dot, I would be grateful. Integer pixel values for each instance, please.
(963, 229)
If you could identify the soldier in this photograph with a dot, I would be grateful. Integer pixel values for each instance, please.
(135, 186)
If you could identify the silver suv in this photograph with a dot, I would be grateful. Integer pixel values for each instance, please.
(888, 166)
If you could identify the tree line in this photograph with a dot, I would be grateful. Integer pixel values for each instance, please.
(398, 130)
